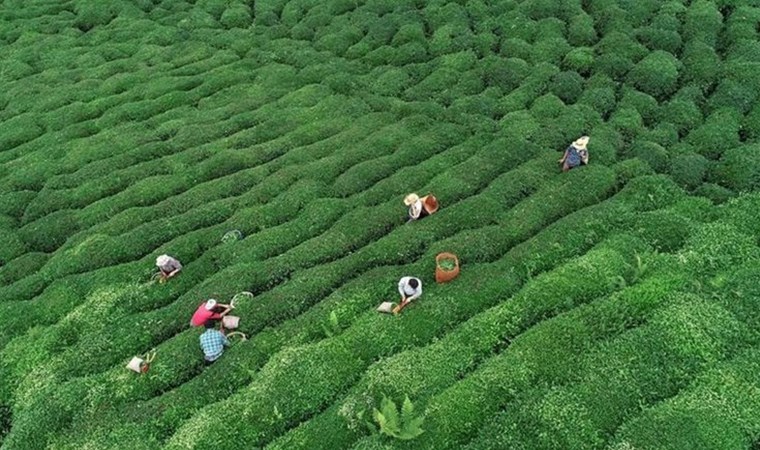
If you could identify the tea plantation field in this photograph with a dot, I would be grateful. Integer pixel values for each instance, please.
(615, 306)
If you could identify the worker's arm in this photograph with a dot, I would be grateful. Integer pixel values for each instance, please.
(564, 157)
(584, 157)
(414, 296)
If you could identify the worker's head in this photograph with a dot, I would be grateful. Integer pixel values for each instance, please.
(581, 142)
(410, 199)
(209, 324)
(163, 260)
(413, 283)
(210, 304)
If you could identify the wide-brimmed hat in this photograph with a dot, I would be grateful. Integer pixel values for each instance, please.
(163, 260)
(210, 303)
(411, 199)
(581, 142)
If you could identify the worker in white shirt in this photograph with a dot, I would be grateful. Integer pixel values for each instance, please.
(410, 288)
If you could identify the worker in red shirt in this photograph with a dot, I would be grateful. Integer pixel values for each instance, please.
(209, 310)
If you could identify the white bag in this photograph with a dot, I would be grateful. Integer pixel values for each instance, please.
(230, 322)
(385, 307)
(136, 364)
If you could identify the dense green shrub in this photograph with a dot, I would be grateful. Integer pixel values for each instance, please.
(718, 133)
(702, 22)
(651, 153)
(628, 122)
(645, 104)
(568, 86)
(702, 65)
(739, 169)
(505, 73)
(601, 99)
(682, 113)
(718, 246)
(580, 31)
(515, 48)
(659, 39)
(656, 74)
(738, 90)
(50, 232)
(621, 45)
(92, 14)
(236, 15)
(715, 192)
(629, 169)
(580, 59)
(688, 170)
(718, 410)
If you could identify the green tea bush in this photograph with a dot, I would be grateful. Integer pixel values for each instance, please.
(664, 230)
(580, 31)
(702, 22)
(716, 193)
(659, 39)
(549, 50)
(702, 65)
(628, 122)
(237, 15)
(718, 133)
(407, 33)
(14, 246)
(601, 99)
(580, 59)
(718, 410)
(568, 86)
(622, 45)
(651, 153)
(629, 169)
(656, 74)
(645, 104)
(90, 15)
(717, 247)
(738, 89)
(50, 232)
(738, 168)
(682, 113)
(688, 170)
(698, 334)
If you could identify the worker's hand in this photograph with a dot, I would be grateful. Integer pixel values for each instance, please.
(561, 160)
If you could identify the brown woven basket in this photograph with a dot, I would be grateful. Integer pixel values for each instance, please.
(442, 276)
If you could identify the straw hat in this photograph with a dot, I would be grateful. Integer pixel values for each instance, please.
(163, 260)
(411, 199)
(581, 142)
(210, 303)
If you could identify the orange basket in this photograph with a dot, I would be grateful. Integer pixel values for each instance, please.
(442, 276)
(430, 203)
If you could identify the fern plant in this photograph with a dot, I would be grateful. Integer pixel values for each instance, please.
(400, 425)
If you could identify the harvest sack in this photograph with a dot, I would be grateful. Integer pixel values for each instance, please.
(385, 307)
(140, 365)
(136, 364)
(230, 322)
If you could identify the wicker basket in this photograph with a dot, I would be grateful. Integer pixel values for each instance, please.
(443, 276)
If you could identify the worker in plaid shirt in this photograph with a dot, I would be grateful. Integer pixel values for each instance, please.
(213, 342)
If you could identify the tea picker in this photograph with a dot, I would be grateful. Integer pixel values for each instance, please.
(420, 207)
(410, 288)
(576, 154)
(168, 267)
(209, 310)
